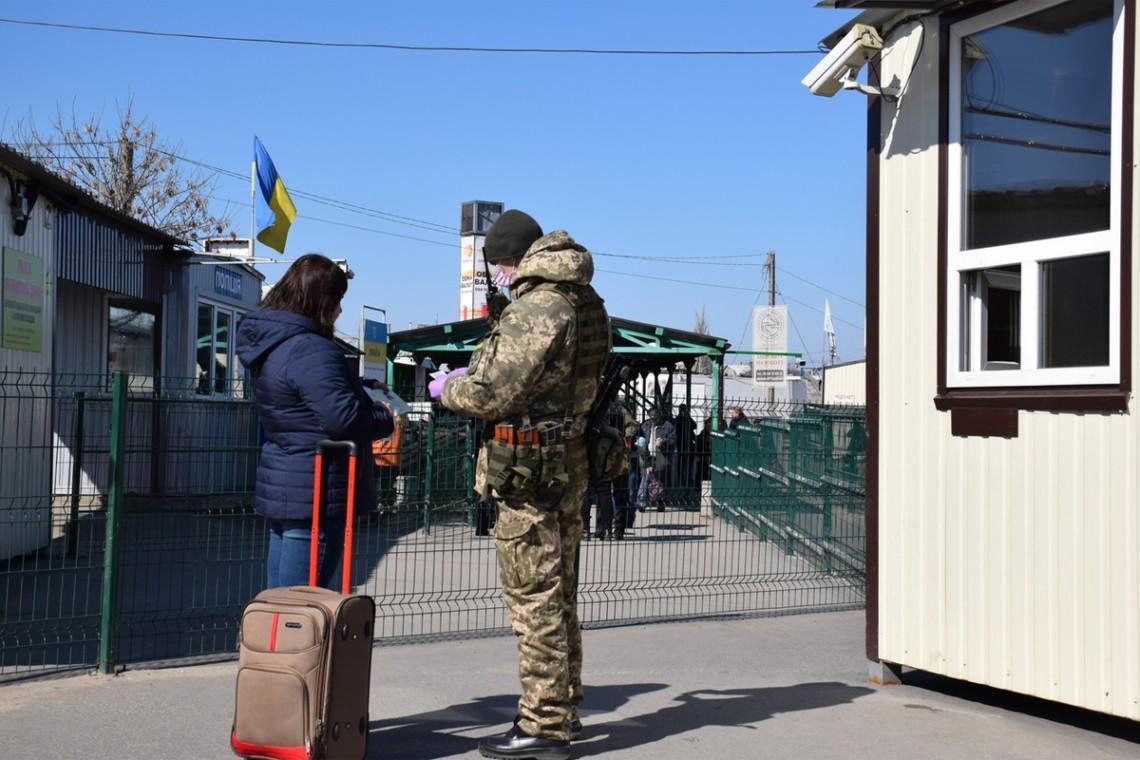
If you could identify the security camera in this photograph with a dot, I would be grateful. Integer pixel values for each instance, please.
(839, 68)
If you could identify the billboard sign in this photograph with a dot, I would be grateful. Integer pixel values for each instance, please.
(472, 278)
(770, 333)
(374, 362)
(23, 301)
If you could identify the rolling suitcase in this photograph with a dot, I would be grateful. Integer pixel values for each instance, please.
(305, 657)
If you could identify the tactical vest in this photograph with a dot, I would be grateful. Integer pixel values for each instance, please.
(592, 345)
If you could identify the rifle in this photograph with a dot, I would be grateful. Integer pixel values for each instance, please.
(614, 375)
(497, 301)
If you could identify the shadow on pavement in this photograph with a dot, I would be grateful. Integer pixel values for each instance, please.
(433, 734)
(430, 735)
(712, 707)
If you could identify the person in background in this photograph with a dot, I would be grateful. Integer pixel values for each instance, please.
(306, 393)
(484, 509)
(644, 469)
(661, 438)
(704, 450)
(736, 417)
(624, 485)
(685, 430)
(601, 493)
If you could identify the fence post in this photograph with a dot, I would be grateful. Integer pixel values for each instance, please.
(76, 474)
(718, 392)
(469, 472)
(827, 426)
(108, 628)
(429, 472)
(156, 439)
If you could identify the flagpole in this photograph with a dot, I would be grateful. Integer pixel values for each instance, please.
(252, 202)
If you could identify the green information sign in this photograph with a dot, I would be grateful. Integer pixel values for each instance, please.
(23, 313)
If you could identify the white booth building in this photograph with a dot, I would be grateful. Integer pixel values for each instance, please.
(1004, 464)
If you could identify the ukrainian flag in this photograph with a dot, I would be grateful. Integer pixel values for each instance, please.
(275, 209)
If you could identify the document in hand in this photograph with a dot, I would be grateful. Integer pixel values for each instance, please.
(388, 397)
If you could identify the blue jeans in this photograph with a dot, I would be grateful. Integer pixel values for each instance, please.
(288, 563)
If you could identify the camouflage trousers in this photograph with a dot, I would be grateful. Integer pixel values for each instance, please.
(536, 545)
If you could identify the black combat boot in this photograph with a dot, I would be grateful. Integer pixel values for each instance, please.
(516, 745)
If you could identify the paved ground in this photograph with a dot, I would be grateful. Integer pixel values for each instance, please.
(785, 687)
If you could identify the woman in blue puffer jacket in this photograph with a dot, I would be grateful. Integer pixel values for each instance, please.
(305, 393)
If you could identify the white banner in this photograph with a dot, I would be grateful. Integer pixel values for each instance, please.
(770, 333)
(472, 278)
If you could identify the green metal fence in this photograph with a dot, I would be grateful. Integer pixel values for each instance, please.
(797, 481)
(128, 534)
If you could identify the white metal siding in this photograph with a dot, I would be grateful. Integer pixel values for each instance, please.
(80, 365)
(1013, 563)
(25, 406)
(845, 384)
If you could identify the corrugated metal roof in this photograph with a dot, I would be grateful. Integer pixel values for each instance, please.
(68, 195)
(99, 252)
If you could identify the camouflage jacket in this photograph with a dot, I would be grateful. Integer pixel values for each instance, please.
(526, 366)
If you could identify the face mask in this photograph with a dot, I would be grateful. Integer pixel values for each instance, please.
(501, 278)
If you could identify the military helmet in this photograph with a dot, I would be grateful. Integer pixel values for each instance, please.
(510, 236)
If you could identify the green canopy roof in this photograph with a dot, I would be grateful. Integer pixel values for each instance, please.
(646, 346)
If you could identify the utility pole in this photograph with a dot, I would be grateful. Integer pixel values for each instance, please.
(770, 268)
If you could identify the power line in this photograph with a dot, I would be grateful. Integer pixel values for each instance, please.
(722, 287)
(347, 225)
(803, 343)
(817, 309)
(315, 197)
(817, 285)
(683, 282)
(442, 229)
(400, 46)
(748, 317)
(682, 259)
(327, 201)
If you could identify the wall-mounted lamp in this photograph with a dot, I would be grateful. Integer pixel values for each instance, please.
(21, 202)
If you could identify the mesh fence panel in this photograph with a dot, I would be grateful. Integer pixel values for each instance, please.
(762, 517)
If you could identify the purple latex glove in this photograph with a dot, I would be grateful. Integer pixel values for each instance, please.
(435, 387)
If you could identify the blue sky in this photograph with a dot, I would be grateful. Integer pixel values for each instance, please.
(640, 156)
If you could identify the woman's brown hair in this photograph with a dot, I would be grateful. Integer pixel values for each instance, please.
(313, 287)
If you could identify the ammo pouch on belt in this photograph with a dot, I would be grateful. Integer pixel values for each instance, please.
(527, 469)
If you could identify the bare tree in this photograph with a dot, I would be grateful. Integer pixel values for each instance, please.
(703, 364)
(127, 166)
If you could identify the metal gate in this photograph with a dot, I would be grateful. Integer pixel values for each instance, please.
(136, 542)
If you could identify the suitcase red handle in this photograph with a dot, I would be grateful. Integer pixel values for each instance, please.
(349, 510)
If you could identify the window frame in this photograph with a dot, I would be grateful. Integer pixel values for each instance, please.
(1029, 255)
(134, 304)
(235, 385)
(1050, 390)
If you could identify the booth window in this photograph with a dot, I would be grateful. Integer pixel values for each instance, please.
(219, 372)
(1033, 285)
(131, 342)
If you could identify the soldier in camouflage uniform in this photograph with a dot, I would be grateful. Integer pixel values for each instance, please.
(535, 378)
